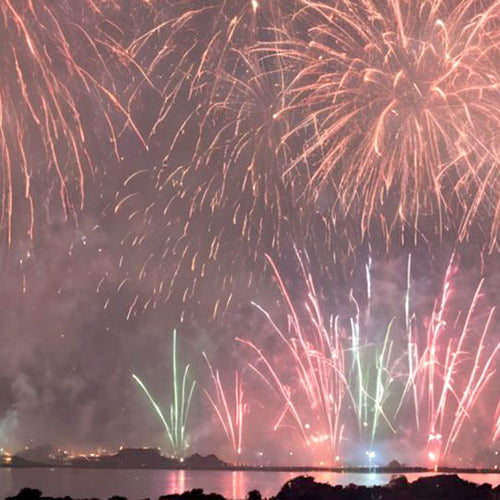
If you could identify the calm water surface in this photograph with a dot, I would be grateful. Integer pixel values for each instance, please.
(137, 484)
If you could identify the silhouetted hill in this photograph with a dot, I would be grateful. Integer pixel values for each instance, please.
(137, 458)
(197, 461)
(127, 458)
(146, 458)
(41, 454)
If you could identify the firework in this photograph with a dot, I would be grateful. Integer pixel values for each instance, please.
(370, 380)
(318, 364)
(231, 420)
(341, 369)
(182, 392)
(232, 174)
(284, 123)
(451, 372)
(400, 106)
(197, 40)
(59, 74)
(496, 429)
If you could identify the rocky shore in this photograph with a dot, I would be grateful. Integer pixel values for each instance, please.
(440, 487)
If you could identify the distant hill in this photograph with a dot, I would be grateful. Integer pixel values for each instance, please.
(146, 458)
(197, 461)
(43, 454)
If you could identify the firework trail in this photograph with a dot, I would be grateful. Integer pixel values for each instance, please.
(231, 420)
(496, 430)
(340, 371)
(318, 364)
(59, 74)
(198, 41)
(451, 372)
(370, 379)
(182, 392)
(334, 368)
(400, 107)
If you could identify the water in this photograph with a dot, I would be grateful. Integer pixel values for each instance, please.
(139, 484)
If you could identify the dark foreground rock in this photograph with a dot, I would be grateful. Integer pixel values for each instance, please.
(442, 487)
(196, 494)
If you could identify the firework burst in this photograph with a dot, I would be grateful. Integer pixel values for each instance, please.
(322, 124)
(58, 77)
(400, 106)
(228, 187)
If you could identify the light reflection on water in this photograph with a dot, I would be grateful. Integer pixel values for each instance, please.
(136, 484)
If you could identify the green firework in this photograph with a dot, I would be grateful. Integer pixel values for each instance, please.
(176, 419)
